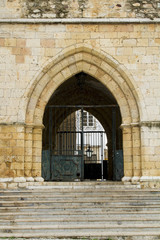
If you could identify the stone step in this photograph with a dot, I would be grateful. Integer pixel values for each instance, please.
(100, 190)
(82, 203)
(83, 226)
(84, 208)
(79, 218)
(79, 183)
(75, 196)
(80, 214)
(54, 228)
(72, 210)
(81, 186)
(87, 234)
(104, 221)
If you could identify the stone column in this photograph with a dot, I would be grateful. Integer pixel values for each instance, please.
(28, 151)
(132, 152)
(11, 150)
(37, 151)
(150, 138)
(136, 146)
(127, 152)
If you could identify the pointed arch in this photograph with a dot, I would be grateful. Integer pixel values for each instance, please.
(113, 75)
(94, 62)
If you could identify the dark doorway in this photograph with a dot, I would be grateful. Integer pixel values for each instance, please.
(82, 141)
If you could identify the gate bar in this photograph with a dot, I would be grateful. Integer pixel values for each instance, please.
(82, 145)
(102, 157)
(83, 106)
(113, 139)
(80, 131)
(50, 136)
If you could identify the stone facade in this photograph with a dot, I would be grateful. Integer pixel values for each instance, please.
(36, 58)
(79, 8)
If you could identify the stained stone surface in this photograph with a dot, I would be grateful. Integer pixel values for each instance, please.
(79, 9)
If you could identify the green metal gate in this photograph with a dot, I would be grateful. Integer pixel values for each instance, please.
(75, 148)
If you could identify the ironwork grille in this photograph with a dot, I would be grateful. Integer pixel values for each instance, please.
(75, 144)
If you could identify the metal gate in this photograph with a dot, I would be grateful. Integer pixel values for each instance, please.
(76, 146)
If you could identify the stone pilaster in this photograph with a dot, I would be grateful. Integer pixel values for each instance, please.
(37, 151)
(127, 152)
(12, 150)
(28, 151)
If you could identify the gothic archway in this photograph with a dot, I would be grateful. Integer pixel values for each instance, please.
(81, 116)
(107, 71)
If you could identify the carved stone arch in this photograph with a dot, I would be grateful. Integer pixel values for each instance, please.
(113, 75)
(96, 63)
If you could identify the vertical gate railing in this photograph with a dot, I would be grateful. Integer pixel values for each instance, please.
(76, 148)
(82, 143)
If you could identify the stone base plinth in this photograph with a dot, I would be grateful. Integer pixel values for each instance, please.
(19, 182)
(143, 182)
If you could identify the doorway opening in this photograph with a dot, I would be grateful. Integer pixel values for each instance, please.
(82, 138)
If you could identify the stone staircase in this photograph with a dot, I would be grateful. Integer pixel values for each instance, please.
(80, 209)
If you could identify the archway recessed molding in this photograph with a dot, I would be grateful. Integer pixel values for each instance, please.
(94, 62)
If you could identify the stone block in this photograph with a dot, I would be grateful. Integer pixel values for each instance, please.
(37, 144)
(124, 28)
(2, 42)
(135, 180)
(17, 165)
(21, 42)
(19, 180)
(33, 43)
(36, 152)
(47, 43)
(149, 178)
(139, 50)
(152, 50)
(157, 150)
(129, 42)
(20, 59)
(23, 185)
(127, 144)
(142, 42)
(29, 179)
(10, 42)
(28, 151)
(127, 172)
(3, 185)
(28, 159)
(25, 51)
(20, 143)
(16, 50)
(39, 179)
(147, 150)
(126, 179)
(19, 172)
(12, 185)
(127, 152)
(27, 172)
(3, 180)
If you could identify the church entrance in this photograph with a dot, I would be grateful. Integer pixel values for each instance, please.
(82, 141)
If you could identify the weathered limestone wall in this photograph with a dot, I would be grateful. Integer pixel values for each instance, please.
(26, 48)
(150, 150)
(79, 8)
(11, 150)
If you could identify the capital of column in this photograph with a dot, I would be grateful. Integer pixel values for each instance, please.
(130, 125)
(34, 126)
